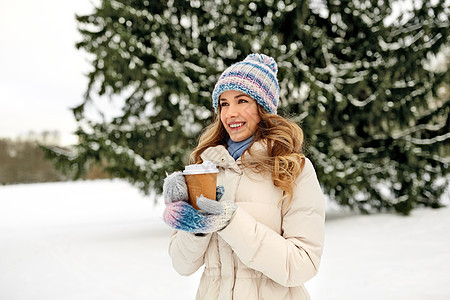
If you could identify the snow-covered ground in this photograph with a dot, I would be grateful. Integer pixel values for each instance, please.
(104, 240)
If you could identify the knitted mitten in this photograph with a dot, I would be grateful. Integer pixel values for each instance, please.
(175, 188)
(212, 217)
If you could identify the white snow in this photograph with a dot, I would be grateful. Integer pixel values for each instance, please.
(104, 240)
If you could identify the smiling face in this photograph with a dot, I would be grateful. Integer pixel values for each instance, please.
(238, 114)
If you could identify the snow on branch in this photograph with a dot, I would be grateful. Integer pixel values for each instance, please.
(402, 43)
(358, 77)
(431, 141)
(194, 67)
(408, 131)
(437, 158)
(357, 103)
(69, 154)
(139, 161)
(431, 42)
(407, 29)
(139, 126)
(403, 84)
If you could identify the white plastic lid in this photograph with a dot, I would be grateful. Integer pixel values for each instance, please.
(205, 167)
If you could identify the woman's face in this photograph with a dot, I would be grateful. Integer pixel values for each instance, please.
(238, 114)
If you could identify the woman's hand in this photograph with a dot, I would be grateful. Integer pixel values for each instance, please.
(175, 188)
(213, 216)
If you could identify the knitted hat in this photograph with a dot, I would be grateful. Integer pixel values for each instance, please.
(255, 76)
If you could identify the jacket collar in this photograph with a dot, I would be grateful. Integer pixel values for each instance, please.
(220, 156)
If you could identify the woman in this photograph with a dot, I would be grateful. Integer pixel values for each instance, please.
(264, 237)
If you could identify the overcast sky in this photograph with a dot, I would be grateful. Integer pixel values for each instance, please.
(41, 72)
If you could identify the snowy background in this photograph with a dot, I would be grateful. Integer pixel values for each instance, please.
(103, 240)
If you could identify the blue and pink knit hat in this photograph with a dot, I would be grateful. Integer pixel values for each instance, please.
(256, 76)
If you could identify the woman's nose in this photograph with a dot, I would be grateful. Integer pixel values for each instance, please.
(232, 111)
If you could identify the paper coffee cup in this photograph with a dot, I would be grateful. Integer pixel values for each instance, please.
(201, 179)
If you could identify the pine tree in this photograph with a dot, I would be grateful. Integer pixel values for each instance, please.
(375, 127)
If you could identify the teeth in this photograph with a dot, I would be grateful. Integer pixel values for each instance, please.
(236, 125)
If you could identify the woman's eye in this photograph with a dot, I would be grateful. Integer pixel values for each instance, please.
(223, 104)
(242, 101)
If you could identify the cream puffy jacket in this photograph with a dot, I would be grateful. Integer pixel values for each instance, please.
(268, 250)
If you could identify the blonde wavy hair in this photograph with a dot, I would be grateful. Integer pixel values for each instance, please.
(284, 158)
